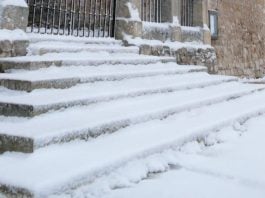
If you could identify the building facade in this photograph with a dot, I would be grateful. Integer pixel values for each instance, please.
(236, 28)
(241, 34)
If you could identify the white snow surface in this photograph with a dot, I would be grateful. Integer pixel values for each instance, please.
(20, 3)
(124, 87)
(173, 45)
(12, 35)
(231, 165)
(64, 166)
(204, 131)
(104, 71)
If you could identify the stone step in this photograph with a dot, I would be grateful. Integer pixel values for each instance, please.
(41, 48)
(41, 101)
(69, 166)
(36, 38)
(27, 135)
(78, 59)
(65, 77)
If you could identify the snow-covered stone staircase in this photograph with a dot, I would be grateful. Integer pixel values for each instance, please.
(76, 109)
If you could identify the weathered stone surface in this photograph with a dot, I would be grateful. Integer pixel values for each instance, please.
(175, 33)
(190, 35)
(197, 56)
(13, 21)
(241, 41)
(13, 143)
(9, 48)
(13, 192)
(13, 17)
(126, 27)
(153, 31)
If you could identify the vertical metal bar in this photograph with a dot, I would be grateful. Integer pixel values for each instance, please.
(65, 16)
(100, 15)
(47, 16)
(192, 4)
(78, 17)
(160, 11)
(84, 17)
(41, 15)
(95, 17)
(53, 15)
(113, 18)
(150, 16)
(73, 21)
(146, 11)
(34, 15)
(71, 18)
(109, 18)
(90, 16)
(60, 18)
(105, 18)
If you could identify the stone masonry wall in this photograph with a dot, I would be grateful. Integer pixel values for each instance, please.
(241, 42)
(13, 22)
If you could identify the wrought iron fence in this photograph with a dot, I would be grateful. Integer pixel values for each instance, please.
(151, 10)
(86, 18)
(187, 12)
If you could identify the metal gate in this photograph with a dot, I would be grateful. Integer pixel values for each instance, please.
(187, 12)
(84, 18)
(151, 10)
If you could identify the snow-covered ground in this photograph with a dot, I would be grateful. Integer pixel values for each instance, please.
(134, 126)
(229, 163)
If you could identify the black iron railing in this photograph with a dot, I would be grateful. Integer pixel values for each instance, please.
(86, 18)
(151, 10)
(187, 12)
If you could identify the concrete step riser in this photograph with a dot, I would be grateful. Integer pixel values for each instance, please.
(28, 145)
(21, 110)
(29, 86)
(34, 65)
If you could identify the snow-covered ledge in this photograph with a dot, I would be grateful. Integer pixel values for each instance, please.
(13, 23)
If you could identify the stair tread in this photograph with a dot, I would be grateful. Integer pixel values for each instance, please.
(61, 167)
(63, 38)
(50, 47)
(54, 73)
(127, 87)
(65, 59)
(73, 121)
(64, 56)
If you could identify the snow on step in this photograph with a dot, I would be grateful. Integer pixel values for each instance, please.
(62, 169)
(94, 120)
(41, 48)
(78, 59)
(35, 38)
(64, 77)
(41, 101)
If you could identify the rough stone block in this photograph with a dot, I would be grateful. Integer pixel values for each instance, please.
(126, 27)
(197, 56)
(14, 17)
(175, 33)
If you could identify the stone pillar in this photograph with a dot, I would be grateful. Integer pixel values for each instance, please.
(173, 12)
(13, 23)
(200, 18)
(128, 19)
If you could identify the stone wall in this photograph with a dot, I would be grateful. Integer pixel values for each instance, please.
(241, 42)
(13, 23)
